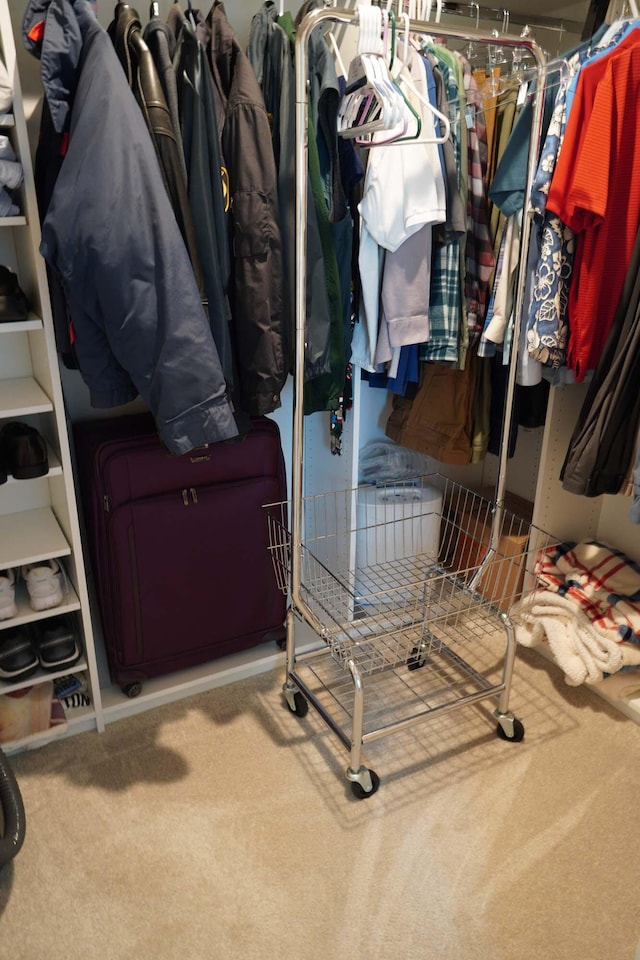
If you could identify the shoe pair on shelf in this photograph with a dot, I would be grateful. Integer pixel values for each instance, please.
(23, 452)
(13, 303)
(45, 582)
(50, 644)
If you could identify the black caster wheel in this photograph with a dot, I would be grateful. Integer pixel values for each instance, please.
(358, 790)
(416, 661)
(132, 690)
(300, 707)
(518, 732)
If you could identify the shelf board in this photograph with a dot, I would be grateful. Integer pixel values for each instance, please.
(77, 716)
(22, 396)
(13, 221)
(29, 536)
(40, 676)
(7, 120)
(55, 467)
(630, 708)
(18, 326)
(38, 739)
(26, 615)
(79, 720)
(58, 726)
(216, 673)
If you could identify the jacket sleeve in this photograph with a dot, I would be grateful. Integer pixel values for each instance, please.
(111, 234)
(258, 307)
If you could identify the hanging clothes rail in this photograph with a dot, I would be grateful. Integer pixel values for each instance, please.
(559, 24)
(347, 609)
(343, 15)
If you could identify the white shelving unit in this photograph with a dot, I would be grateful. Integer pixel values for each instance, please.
(38, 518)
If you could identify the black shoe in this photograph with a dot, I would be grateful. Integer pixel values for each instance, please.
(23, 451)
(17, 656)
(13, 303)
(55, 643)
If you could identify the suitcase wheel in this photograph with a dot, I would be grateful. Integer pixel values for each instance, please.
(132, 689)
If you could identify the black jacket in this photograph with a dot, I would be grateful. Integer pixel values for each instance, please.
(162, 43)
(111, 235)
(142, 76)
(206, 178)
(257, 295)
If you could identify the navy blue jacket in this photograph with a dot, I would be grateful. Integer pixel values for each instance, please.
(111, 235)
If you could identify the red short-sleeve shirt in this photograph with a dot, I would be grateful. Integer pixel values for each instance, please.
(594, 191)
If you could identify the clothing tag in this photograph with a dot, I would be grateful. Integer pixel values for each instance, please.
(470, 116)
(522, 94)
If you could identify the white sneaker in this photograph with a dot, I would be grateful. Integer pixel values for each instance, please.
(7, 594)
(44, 582)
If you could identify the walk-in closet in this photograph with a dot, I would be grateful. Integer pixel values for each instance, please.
(319, 421)
(348, 419)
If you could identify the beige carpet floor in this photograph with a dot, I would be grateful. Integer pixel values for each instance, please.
(222, 828)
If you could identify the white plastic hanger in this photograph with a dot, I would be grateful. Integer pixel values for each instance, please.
(379, 106)
(333, 43)
(374, 104)
(403, 76)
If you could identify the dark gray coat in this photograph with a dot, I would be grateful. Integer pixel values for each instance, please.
(112, 237)
(257, 295)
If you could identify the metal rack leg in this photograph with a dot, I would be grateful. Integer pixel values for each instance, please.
(289, 688)
(509, 727)
(364, 782)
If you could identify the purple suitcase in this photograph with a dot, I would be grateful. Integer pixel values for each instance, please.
(179, 544)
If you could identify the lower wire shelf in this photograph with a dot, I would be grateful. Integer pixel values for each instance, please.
(396, 698)
(412, 605)
(434, 679)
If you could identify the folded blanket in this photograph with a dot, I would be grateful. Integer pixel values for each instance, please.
(584, 652)
(587, 608)
(602, 580)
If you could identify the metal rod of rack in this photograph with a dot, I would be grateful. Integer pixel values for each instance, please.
(347, 16)
(559, 24)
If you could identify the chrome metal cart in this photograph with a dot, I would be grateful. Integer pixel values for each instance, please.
(400, 595)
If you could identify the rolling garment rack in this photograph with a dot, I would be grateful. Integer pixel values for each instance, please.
(400, 586)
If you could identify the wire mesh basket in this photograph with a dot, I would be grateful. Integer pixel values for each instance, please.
(396, 570)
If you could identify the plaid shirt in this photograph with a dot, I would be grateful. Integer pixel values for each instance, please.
(444, 305)
(479, 256)
(445, 302)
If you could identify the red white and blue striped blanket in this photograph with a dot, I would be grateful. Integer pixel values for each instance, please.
(586, 607)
